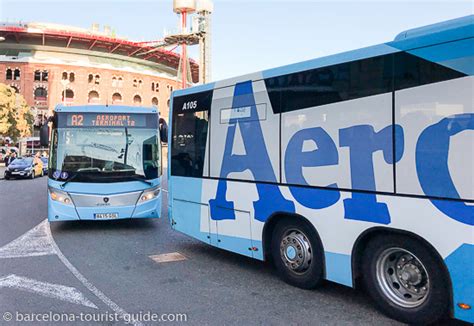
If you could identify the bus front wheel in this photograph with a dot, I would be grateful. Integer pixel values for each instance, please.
(297, 253)
(405, 279)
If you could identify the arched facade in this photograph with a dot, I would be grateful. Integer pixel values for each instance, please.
(65, 79)
(113, 88)
(93, 97)
(40, 94)
(116, 98)
(137, 99)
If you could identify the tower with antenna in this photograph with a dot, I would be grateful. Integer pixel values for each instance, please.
(200, 33)
(183, 8)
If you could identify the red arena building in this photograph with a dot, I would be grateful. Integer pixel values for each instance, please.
(51, 64)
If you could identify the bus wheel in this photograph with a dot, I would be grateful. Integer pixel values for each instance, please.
(297, 253)
(405, 279)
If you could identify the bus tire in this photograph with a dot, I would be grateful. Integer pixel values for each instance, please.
(405, 279)
(297, 253)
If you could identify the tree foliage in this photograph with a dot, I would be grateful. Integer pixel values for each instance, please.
(16, 119)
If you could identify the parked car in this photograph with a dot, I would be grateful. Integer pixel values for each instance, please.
(45, 165)
(24, 167)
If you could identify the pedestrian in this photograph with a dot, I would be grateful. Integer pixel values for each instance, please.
(10, 159)
(5, 158)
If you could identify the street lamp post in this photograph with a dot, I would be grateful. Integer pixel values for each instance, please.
(33, 133)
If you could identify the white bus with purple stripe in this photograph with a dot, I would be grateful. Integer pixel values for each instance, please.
(355, 168)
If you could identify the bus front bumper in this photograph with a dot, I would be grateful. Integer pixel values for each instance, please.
(61, 212)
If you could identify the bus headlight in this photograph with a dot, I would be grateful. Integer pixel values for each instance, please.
(149, 195)
(60, 196)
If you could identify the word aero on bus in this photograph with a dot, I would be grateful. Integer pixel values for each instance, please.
(356, 168)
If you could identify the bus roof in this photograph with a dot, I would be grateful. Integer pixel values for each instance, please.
(458, 24)
(106, 109)
(455, 29)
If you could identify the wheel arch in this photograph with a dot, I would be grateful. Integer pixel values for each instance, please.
(364, 238)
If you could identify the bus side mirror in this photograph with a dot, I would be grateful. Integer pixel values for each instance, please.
(44, 135)
(163, 131)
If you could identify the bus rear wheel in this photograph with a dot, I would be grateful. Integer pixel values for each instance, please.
(297, 253)
(405, 279)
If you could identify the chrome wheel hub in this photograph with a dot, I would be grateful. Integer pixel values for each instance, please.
(295, 251)
(402, 277)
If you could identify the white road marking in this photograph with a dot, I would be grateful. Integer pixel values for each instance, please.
(50, 290)
(33, 243)
(39, 241)
(112, 305)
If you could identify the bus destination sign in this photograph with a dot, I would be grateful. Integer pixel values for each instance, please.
(105, 120)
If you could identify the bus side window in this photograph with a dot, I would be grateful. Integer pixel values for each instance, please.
(190, 128)
(150, 153)
(189, 144)
(331, 84)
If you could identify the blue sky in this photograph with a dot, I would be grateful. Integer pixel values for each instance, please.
(254, 35)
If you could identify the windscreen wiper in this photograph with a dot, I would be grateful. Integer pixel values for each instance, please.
(67, 181)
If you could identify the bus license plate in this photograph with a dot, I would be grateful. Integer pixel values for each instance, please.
(103, 216)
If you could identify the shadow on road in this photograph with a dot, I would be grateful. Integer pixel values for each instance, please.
(21, 179)
(93, 225)
(265, 271)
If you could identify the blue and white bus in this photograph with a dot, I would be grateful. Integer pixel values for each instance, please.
(105, 163)
(356, 168)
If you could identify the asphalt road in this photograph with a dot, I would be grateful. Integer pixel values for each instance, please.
(107, 264)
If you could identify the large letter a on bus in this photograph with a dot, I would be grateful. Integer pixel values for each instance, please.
(256, 160)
